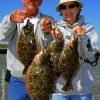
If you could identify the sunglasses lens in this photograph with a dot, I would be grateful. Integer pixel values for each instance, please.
(71, 6)
(64, 7)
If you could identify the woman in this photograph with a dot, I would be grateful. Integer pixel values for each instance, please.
(72, 23)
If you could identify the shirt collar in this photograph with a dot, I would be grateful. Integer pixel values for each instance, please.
(37, 16)
(79, 22)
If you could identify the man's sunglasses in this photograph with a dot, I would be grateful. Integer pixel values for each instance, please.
(70, 6)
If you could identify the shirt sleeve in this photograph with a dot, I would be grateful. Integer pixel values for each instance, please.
(88, 44)
(7, 29)
(44, 39)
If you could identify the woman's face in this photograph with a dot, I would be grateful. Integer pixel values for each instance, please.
(31, 6)
(70, 11)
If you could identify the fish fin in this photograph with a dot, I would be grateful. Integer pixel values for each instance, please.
(25, 70)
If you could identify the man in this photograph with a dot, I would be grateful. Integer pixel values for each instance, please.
(9, 29)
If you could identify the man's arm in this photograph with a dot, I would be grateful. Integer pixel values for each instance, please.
(7, 28)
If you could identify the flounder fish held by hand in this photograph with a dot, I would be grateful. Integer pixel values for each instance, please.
(39, 78)
(69, 62)
(56, 47)
(26, 45)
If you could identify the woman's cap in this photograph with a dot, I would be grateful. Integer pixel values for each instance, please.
(65, 1)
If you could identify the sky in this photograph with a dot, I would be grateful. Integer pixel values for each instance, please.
(91, 10)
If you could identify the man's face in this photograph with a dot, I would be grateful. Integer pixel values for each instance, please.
(31, 5)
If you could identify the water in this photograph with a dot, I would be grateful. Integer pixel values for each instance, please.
(3, 84)
(96, 88)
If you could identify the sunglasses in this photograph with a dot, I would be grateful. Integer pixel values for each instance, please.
(70, 6)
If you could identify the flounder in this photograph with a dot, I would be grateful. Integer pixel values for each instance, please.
(55, 49)
(69, 65)
(26, 45)
(40, 76)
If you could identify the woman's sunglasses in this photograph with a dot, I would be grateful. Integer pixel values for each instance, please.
(70, 6)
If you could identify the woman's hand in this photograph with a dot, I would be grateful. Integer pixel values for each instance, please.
(79, 30)
(56, 33)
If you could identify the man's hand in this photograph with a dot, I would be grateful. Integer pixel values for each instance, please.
(79, 30)
(46, 25)
(18, 16)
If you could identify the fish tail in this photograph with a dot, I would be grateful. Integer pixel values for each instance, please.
(68, 86)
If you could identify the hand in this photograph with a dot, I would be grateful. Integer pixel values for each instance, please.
(79, 30)
(46, 25)
(18, 16)
(56, 33)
